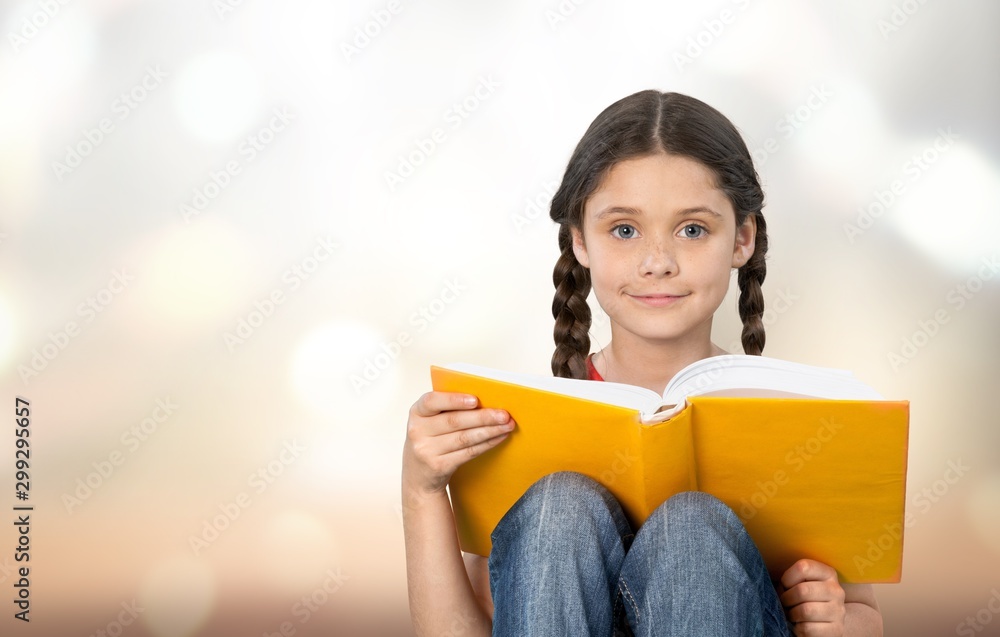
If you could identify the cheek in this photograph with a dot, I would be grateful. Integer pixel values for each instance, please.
(606, 267)
(607, 275)
(713, 274)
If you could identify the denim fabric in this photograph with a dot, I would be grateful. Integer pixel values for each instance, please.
(566, 562)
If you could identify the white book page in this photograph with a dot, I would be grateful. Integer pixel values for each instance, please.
(741, 372)
(618, 394)
(727, 375)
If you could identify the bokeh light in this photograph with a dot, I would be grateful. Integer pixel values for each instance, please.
(217, 95)
(450, 262)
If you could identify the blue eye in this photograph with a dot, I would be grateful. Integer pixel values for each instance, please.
(698, 231)
(623, 231)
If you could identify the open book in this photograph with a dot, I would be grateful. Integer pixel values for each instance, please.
(811, 459)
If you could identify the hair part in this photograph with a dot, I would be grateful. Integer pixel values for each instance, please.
(642, 124)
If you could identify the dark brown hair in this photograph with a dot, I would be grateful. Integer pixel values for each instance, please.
(646, 123)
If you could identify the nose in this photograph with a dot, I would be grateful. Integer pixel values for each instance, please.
(659, 259)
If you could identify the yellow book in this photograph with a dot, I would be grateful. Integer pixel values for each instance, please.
(811, 459)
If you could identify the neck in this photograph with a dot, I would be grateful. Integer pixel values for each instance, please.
(650, 365)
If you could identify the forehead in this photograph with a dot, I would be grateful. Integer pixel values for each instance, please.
(658, 182)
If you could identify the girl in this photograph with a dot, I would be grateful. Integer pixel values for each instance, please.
(659, 203)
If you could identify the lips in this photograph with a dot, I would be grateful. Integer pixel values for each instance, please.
(657, 300)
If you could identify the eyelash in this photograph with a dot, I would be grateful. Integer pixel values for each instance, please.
(702, 228)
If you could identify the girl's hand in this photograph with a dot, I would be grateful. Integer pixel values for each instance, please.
(445, 430)
(813, 599)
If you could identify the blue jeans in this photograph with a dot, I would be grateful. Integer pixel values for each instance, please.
(566, 562)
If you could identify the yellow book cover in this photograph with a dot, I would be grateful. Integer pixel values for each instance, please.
(811, 459)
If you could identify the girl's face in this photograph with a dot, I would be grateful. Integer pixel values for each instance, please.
(660, 240)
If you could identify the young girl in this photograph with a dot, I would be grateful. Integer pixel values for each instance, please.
(659, 203)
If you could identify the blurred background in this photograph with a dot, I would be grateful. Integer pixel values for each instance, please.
(234, 234)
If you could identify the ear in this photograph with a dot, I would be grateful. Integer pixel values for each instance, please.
(579, 247)
(744, 245)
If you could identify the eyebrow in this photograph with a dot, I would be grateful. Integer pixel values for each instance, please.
(628, 210)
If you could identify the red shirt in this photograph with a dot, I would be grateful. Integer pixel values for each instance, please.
(592, 373)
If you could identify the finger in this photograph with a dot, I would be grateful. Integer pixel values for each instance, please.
(453, 421)
(436, 402)
(442, 454)
(817, 629)
(817, 613)
(807, 570)
(811, 591)
(486, 424)
(459, 420)
(464, 454)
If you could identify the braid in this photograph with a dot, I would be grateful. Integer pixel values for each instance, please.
(640, 125)
(751, 303)
(571, 312)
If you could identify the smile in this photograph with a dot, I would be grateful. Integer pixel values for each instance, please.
(657, 300)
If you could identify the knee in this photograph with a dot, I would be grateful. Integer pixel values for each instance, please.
(697, 504)
(564, 494)
(698, 516)
(565, 528)
(566, 482)
(560, 500)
